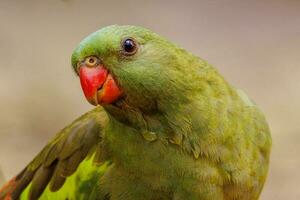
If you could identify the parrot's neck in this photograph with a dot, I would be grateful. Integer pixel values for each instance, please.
(191, 118)
(195, 127)
(178, 120)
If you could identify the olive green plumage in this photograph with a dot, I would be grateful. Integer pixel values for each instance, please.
(179, 132)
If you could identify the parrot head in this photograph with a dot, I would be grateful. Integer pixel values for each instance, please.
(130, 66)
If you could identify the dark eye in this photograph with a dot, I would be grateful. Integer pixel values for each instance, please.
(129, 46)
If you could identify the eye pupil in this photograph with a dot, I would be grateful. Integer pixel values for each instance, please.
(129, 46)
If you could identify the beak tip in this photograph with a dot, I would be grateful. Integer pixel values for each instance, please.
(93, 100)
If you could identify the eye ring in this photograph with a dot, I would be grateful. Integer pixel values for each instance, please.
(129, 46)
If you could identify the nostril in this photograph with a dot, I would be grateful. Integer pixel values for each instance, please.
(91, 60)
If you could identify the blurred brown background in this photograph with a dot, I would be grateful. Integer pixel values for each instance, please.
(254, 43)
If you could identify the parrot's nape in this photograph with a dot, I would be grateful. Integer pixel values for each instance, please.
(166, 126)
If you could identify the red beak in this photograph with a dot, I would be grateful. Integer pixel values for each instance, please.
(98, 86)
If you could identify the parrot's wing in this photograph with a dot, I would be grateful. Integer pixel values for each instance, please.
(60, 158)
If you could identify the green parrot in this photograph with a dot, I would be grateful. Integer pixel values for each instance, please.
(166, 126)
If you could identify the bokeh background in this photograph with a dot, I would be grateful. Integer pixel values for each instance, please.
(255, 44)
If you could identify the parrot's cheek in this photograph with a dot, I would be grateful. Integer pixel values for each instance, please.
(99, 87)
